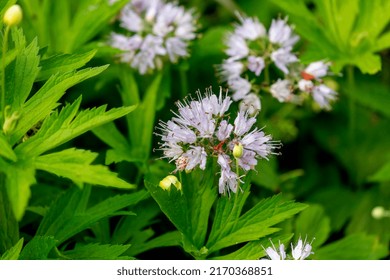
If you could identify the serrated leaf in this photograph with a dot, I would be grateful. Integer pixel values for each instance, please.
(63, 63)
(172, 238)
(76, 165)
(368, 63)
(13, 253)
(41, 104)
(68, 215)
(256, 222)
(21, 73)
(352, 247)
(6, 149)
(254, 250)
(58, 129)
(38, 248)
(19, 178)
(93, 251)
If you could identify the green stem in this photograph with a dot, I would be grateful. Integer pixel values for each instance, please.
(5, 42)
(352, 102)
(183, 81)
(266, 76)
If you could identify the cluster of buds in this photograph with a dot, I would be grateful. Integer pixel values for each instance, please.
(202, 130)
(252, 50)
(153, 31)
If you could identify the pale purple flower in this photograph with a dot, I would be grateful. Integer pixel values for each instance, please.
(282, 34)
(202, 129)
(251, 104)
(250, 28)
(237, 47)
(156, 31)
(323, 95)
(231, 69)
(256, 64)
(240, 86)
(275, 254)
(305, 85)
(281, 90)
(283, 57)
(317, 69)
(302, 250)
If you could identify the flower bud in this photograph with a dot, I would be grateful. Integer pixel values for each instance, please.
(379, 212)
(238, 150)
(13, 15)
(10, 120)
(166, 183)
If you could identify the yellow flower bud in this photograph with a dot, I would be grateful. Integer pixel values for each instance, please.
(238, 150)
(166, 183)
(13, 15)
(10, 120)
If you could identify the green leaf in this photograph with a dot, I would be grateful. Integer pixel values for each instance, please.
(41, 104)
(6, 149)
(69, 214)
(353, 247)
(255, 223)
(314, 215)
(368, 63)
(76, 165)
(22, 72)
(382, 175)
(13, 253)
(141, 121)
(172, 238)
(19, 178)
(38, 248)
(9, 228)
(253, 250)
(93, 251)
(63, 63)
(60, 128)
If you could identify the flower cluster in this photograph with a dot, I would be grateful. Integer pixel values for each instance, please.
(301, 251)
(153, 32)
(252, 50)
(201, 129)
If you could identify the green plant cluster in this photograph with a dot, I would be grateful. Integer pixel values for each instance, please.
(79, 160)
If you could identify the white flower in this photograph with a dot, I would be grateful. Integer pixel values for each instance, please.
(201, 129)
(302, 250)
(256, 64)
(162, 30)
(282, 57)
(237, 47)
(273, 253)
(316, 69)
(282, 34)
(240, 86)
(230, 69)
(250, 28)
(305, 85)
(323, 95)
(281, 90)
(251, 104)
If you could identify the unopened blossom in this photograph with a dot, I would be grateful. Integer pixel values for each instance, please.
(315, 70)
(251, 51)
(153, 31)
(203, 129)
